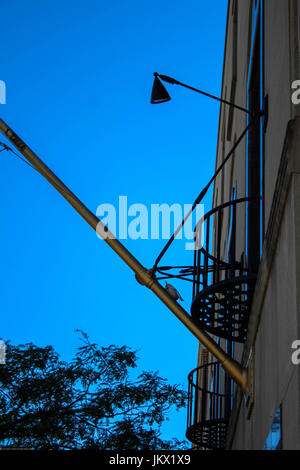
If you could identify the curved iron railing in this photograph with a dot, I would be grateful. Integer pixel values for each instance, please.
(209, 406)
(223, 288)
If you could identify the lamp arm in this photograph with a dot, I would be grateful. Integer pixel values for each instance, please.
(171, 80)
(144, 276)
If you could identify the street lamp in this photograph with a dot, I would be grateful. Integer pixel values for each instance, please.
(160, 94)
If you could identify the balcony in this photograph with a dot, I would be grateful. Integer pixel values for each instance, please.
(223, 285)
(209, 406)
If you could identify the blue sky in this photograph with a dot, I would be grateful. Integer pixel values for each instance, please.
(79, 78)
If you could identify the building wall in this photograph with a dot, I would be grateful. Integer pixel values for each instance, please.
(278, 81)
(275, 316)
(276, 378)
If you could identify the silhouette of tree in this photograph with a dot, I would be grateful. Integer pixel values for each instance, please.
(90, 402)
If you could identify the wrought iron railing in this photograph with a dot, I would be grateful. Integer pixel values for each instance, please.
(209, 406)
(223, 288)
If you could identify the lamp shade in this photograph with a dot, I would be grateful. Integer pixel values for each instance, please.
(159, 93)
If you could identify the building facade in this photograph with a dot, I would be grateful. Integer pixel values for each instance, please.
(246, 289)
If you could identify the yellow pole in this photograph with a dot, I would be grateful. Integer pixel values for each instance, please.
(143, 275)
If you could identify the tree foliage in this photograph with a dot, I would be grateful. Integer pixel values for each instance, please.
(90, 402)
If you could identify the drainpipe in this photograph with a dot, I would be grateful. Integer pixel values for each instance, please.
(144, 276)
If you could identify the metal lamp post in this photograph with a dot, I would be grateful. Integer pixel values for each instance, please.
(143, 275)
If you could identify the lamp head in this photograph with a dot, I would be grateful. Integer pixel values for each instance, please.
(159, 93)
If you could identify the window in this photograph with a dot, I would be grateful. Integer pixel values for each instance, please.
(274, 439)
(254, 145)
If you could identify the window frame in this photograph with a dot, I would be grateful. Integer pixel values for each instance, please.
(257, 34)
